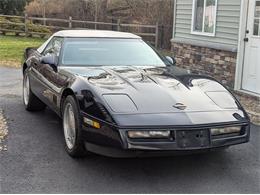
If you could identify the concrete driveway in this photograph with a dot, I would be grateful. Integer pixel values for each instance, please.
(35, 161)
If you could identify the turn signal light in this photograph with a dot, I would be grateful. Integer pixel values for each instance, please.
(91, 123)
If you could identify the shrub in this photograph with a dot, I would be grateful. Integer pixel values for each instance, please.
(37, 28)
(6, 24)
(16, 20)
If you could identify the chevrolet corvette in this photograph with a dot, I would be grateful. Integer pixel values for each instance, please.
(118, 96)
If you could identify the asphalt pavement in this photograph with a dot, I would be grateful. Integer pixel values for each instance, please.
(35, 161)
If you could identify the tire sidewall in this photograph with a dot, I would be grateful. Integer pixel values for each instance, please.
(74, 151)
(34, 103)
(29, 96)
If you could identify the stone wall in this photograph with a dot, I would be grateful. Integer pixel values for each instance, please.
(216, 63)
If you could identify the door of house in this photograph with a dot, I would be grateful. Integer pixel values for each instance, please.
(251, 68)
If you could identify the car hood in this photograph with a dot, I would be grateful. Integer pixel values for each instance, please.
(149, 90)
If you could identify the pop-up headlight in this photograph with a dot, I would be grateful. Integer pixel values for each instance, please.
(223, 99)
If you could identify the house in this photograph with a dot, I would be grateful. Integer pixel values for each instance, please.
(221, 38)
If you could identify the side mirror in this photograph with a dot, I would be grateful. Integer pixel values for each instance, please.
(50, 59)
(171, 60)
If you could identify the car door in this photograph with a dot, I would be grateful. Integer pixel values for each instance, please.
(49, 82)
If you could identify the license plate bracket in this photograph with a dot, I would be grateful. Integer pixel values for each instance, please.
(193, 138)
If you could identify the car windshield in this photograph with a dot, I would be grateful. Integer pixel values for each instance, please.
(109, 52)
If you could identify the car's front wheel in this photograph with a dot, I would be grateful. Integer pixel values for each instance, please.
(74, 143)
(31, 102)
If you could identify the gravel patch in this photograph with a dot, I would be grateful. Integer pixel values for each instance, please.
(3, 131)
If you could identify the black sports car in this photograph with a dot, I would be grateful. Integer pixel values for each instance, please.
(118, 96)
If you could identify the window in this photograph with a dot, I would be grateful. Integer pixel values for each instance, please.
(204, 17)
(53, 46)
(256, 30)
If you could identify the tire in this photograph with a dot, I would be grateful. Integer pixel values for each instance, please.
(31, 102)
(74, 144)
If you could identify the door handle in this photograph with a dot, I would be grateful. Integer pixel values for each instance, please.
(246, 39)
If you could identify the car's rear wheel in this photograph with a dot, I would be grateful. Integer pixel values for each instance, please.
(74, 143)
(31, 102)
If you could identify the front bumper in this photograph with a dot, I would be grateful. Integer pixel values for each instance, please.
(116, 143)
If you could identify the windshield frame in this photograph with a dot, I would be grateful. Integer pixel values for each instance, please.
(163, 58)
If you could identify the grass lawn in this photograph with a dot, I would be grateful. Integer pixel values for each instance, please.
(12, 49)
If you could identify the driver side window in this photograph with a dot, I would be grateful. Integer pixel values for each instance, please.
(53, 47)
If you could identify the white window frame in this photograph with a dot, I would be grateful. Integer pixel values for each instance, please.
(213, 34)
